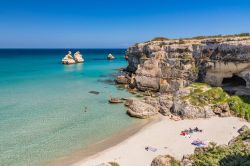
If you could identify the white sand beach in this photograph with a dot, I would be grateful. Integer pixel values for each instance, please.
(165, 136)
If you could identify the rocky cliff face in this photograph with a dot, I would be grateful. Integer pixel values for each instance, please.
(168, 65)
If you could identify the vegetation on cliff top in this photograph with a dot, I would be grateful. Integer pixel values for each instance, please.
(219, 36)
(236, 154)
(202, 94)
(240, 105)
(160, 39)
(203, 37)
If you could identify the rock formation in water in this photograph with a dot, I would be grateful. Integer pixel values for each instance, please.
(78, 57)
(68, 59)
(110, 57)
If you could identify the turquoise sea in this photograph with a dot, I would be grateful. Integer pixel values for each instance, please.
(42, 103)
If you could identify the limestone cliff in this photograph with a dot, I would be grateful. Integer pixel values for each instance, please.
(168, 65)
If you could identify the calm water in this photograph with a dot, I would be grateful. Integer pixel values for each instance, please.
(42, 104)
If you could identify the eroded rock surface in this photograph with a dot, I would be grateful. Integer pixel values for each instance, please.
(78, 57)
(165, 160)
(140, 109)
(68, 59)
(123, 79)
(168, 65)
(200, 101)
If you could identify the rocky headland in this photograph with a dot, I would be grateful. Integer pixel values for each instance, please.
(190, 78)
(194, 83)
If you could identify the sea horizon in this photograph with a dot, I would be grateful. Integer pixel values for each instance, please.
(124, 83)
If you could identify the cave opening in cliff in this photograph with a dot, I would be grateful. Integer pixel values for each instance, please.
(234, 81)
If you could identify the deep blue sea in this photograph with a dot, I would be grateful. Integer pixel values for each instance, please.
(42, 103)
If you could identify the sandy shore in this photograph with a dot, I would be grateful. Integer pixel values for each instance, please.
(101, 145)
(165, 136)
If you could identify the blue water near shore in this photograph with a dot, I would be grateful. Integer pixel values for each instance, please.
(42, 103)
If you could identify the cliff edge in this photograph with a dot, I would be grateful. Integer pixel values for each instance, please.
(168, 65)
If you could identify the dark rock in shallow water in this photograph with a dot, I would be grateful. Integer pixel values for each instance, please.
(107, 81)
(94, 92)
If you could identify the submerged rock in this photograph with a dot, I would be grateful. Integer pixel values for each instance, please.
(94, 92)
(122, 79)
(68, 59)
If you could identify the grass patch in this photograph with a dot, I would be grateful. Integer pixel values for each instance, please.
(202, 37)
(240, 105)
(202, 94)
(219, 36)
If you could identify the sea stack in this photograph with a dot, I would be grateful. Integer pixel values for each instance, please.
(78, 57)
(68, 59)
(110, 57)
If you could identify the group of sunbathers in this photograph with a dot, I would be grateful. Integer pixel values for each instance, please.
(187, 133)
(190, 131)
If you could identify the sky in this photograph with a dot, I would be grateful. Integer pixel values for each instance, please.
(115, 23)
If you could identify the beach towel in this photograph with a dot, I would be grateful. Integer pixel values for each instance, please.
(198, 143)
(149, 148)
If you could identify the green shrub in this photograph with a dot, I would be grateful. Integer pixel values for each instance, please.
(159, 39)
(236, 154)
(202, 95)
(181, 41)
(113, 163)
(195, 69)
(187, 56)
(240, 105)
